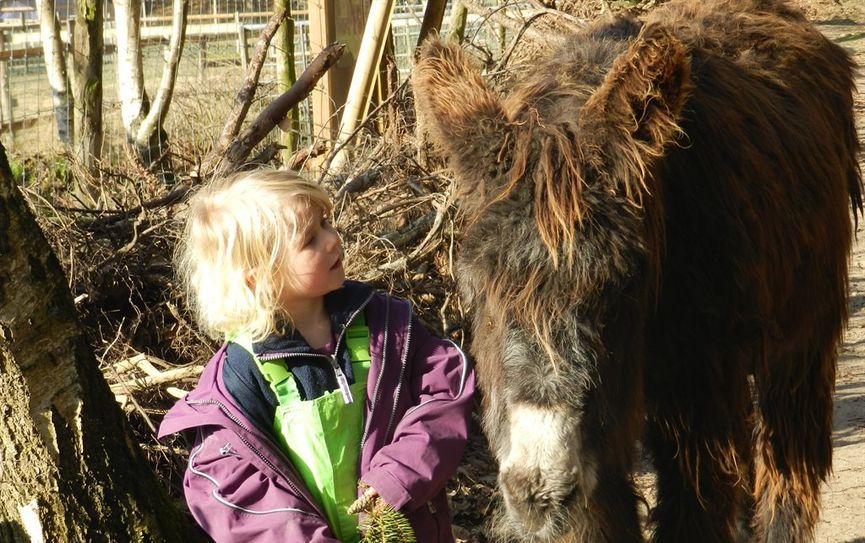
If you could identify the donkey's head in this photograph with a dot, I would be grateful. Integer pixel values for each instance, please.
(553, 180)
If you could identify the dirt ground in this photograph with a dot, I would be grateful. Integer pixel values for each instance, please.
(843, 518)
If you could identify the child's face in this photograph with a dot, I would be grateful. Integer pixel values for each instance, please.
(315, 259)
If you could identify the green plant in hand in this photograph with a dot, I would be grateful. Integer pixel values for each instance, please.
(382, 523)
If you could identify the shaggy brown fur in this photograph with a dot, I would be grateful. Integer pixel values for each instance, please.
(658, 230)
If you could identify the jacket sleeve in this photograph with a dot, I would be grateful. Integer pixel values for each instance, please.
(232, 499)
(429, 440)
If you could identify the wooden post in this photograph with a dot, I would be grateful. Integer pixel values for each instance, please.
(241, 41)
(331, 21)
(365, 73)
(457, 26)
(326, 99)
(6, 116)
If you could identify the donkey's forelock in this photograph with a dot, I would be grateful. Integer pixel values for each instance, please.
(622, 128)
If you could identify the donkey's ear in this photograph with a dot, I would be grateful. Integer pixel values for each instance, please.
(636, 110)
(463, 117)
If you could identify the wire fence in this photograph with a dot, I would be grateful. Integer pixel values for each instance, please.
(210, 73)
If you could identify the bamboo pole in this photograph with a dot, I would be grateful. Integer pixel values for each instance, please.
(363, 78)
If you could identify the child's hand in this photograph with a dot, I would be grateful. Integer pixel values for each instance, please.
(365, 503)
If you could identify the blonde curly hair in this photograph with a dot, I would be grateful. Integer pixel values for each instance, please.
(231, 256)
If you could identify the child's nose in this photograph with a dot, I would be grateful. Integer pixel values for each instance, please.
(333, 240)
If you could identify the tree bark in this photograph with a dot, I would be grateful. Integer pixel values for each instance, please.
(142, 121)
(69, 470)
(286, 75)
(55, 66)
(87, 81)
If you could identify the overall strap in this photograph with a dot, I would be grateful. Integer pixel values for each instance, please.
(281, 380)
(357, 340)
(276, 373)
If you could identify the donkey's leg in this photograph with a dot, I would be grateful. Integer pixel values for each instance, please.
(793, 447)
(699, 435)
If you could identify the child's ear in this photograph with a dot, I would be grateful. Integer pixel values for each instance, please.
(464, 118)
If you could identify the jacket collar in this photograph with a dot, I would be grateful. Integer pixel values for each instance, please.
(341, 304)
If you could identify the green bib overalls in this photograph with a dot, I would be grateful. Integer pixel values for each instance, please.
(322, 436)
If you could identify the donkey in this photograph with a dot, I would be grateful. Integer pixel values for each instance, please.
(656, 244)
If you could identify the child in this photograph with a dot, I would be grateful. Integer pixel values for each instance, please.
(323, 385)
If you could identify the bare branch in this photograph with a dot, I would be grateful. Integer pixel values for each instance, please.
(244, 97)
(575, 22)
(169, 376)
(497, 16)
(237, 150)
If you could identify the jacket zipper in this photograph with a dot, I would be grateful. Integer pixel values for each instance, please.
(341, 379)
(376, 390)
(249, 445)
(401, 373)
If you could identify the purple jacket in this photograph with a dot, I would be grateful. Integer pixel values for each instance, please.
(239, 486)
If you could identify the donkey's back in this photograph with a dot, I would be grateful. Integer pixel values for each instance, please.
(754, 273)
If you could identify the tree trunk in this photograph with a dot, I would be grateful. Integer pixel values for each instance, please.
(142, 121)
(55, 65)
(130, 71)
(69, 470)
(432, 19)
(286, 76)
(87, 81)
